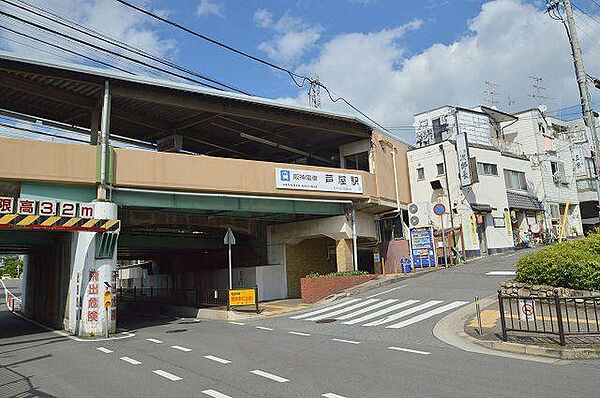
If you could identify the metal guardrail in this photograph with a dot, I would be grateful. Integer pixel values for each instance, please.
(556, 316)
(182, 297)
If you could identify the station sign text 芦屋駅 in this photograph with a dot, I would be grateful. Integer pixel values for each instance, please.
(32, 207)
(313, 180)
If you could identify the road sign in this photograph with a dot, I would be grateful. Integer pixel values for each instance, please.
(107, 299)
(229, 240)
(238, 297)
(439, 209)
(526, 310)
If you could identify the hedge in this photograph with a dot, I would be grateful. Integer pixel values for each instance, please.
(572, 264)
(341, 273)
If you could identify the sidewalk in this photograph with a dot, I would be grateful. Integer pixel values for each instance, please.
(461, 330)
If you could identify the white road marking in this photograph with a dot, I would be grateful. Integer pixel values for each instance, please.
(217, 359)
(167, 375)
(215, 394)
(299, 333)
(409, 350)
(367, 309)
(130, 360)
(154, 341)
(332, 395)
(428, 314)
(381, 312)
(326, 309)
(346, 341)
(263, 328)
(501, 273)
(343, 310)
(104, 350)
(387, 291)
(180, 348)
(237, 323)
(276, 378)
(404, 313)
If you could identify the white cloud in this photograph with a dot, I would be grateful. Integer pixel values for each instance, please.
(291, 39)
(208, 7)
(507, 42)
(101, 15)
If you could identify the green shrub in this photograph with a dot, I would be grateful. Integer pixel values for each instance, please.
(573, 264)
(341, 273)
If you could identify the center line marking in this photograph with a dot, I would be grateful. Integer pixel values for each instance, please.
(104, 350)
(154, 341)
(167, 375)
(299, 333)
(130, 360)
(263, 328)
(346, 341)
(180, 348)
(276, 378)
(332, 395)
(409, 350)
(215, 394)
(386, 291)
(237, 323)
(217, 359)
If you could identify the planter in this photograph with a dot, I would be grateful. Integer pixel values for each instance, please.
(315, 289)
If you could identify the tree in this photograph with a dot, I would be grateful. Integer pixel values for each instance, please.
(12, 266)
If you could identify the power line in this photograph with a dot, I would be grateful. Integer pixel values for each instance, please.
(62, 21)
(293, 75)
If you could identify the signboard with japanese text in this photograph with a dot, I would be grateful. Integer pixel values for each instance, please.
(462, 152)
(26, 213)
(239, 297)
(579, 161)
(312, 180)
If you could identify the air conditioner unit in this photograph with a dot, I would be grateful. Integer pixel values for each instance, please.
(557, 177)
(172, 143)
(419, 215)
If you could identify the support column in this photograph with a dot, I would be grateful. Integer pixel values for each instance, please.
(343, 255)
(90, 278)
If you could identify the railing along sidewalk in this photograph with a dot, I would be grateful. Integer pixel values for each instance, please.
(172, 296)
(553, 315)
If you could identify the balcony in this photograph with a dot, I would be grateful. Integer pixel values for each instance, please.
(586, 189)
(508, 147)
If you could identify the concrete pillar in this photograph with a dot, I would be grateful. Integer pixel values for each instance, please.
(343, 255)
(90, 278)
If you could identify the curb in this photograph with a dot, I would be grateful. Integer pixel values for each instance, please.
(550, 352)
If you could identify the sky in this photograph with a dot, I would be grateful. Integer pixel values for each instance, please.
(390, 58)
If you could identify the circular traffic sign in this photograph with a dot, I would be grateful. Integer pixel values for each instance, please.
(527, 309)
(439, 209)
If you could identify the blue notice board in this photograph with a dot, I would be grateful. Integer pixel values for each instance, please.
(422, 247)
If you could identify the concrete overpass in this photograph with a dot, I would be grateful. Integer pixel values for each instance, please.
(304, 190)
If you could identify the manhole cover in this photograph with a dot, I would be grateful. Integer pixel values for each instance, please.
(327, 320)
(176, 331)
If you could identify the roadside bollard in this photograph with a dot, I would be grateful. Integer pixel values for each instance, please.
(478, 313)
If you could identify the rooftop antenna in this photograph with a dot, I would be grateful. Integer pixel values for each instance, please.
(538, 92)
(491, 92)
(510, 101)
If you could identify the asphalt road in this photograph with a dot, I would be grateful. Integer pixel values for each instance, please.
(285, 357)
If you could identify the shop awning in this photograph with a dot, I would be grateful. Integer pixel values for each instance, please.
(522, 201)
(481, 207)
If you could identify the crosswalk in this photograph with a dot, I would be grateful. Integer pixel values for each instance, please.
(389, 313)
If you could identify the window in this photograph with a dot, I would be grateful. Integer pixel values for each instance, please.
(558, 172)
(440, 169)
(438, 129)
(487, 169)
(358, 161)
(515, 180)
(420, 174)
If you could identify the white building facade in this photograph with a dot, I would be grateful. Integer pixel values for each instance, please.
(501, 208)
(546, 142)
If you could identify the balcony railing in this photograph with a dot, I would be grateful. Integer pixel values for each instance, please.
(587, 184)
(510, 147)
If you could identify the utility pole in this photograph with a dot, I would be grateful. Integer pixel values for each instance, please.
(588, 115)
(314, 92)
